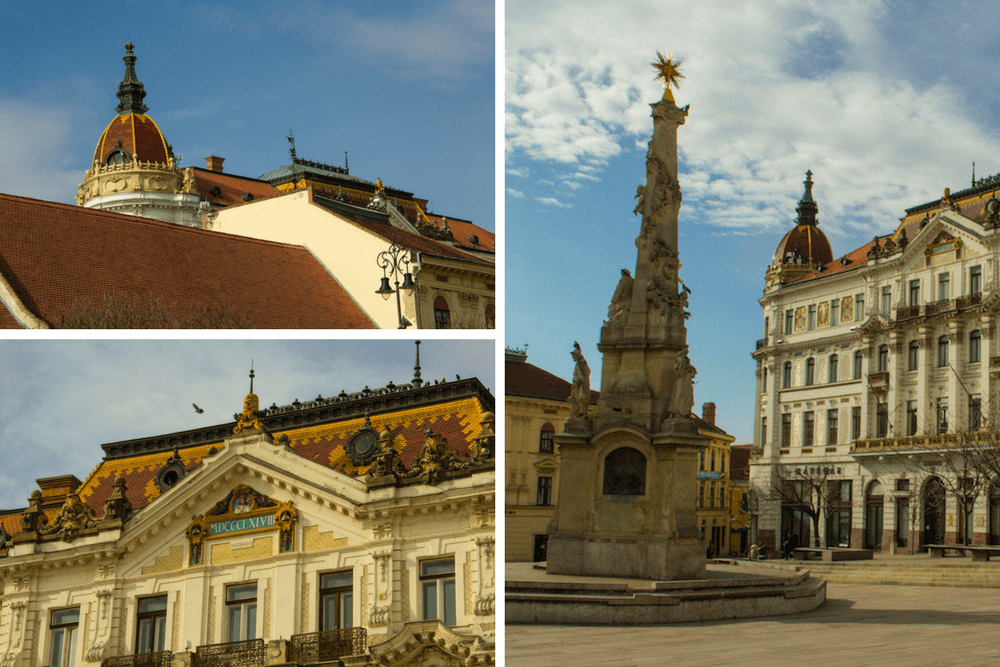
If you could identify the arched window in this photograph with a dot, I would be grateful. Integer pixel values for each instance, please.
(442, 316)
(943, 351)
(786, 375)
(912, 355)
(546, 441)
(832, 372)
(975, 339)
(116, 157)
(625, 473)
(883, 358)
(810, 371)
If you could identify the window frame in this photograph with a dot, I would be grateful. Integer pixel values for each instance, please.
(975, 346)
(246, 608)
(546, 439)
(942, 360)
(832, 426)
(976, 279)
(342, 596)
(913, 356)
(439, 582)
(68, 634)
(944, 286)
(858, 363)
(156, 639)
(832, 368)
(543, 496)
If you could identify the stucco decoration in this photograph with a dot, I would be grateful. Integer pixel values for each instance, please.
(74, 517)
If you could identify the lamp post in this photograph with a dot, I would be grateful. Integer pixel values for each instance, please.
(393, 262)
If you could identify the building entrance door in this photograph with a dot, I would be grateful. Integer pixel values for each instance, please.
(541, 544)
(934, 508)
(873, 517)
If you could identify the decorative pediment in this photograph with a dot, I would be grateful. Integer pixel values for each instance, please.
(875, 326)
(431, 644)
(242, 511)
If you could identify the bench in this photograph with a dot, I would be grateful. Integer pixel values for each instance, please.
(981, 553)
(831, 554)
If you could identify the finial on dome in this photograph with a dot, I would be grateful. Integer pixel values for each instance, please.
(807, 208)
(251, 376)
(417, 382)
(130, 90)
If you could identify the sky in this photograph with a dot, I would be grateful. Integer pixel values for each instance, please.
(408, 90)
(62, 399)
(887, 102)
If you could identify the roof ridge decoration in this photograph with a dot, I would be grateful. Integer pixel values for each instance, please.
(250, 418)
(130, 91)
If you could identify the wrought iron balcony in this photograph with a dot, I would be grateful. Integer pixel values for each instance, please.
(939, 307)
(907, 313)
(158, 659)
(969, 300)
(316, 647)
(249, 653)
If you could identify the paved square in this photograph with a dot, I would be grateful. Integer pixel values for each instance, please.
(858, 625)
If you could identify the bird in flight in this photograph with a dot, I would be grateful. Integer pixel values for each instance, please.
(197, 409)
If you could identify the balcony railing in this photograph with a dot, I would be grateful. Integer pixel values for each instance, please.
(907, 313)
(158, 659)
(939, 307)
(969, 300)
(249, 653)
(325, 646)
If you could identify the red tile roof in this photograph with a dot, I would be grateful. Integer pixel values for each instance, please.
(139, 137)
(57, 257)
(524, 379)
(231, 188)
(405, 238)
(464, 231)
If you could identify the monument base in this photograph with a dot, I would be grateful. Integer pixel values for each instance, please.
(628, 558)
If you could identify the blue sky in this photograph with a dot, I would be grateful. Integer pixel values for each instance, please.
(407, 89)
(887, 103)
(62, 399)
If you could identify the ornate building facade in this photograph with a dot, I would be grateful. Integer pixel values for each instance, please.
(875, 380)
(358, 529)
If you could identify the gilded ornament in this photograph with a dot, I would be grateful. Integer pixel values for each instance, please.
(667, 71)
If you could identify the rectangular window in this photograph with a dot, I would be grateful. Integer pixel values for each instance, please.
(834, 312)
(544, 497)
(151, 625)
(701, 495)
(811, 322)
(859, 307)
(902, 485)
(63, 625)
(858, 356)
(786, 375)
(856, 422)
(786, 430)
(336, 601)
(943, 351)
(886, 300)
(942, 415)
(789, 321)
(911, 418)
(912, 356)
(546, 441)
(975, 280)
(914, 292)
(712, 461)
(763, 430)
(944, 286)
(831, 427)
(437, 585)
(975, 411)
(975, 342)
(831, 375)
(882, 420)
(241, 612)
(810, 371)
(808, 429)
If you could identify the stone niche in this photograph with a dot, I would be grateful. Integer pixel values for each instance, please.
(627, 506)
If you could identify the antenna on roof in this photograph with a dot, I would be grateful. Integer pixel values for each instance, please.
(417, 382)
(291, 140)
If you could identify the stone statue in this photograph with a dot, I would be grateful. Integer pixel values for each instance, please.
(683, 398)
(74, 516)
(640, 194)
(579, 396)
(622, 299)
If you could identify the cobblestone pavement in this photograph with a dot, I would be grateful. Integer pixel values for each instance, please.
(858, 625)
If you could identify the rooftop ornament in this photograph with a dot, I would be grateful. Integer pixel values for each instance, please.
(668, 71)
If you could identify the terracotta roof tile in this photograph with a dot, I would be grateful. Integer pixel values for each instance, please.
(524, 379)
(57, 256)
(464, 231)
(231, 188)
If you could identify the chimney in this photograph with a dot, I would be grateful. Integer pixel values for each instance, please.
(214, 163)
(708, 413)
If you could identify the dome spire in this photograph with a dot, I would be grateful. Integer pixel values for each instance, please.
(807, 208)
(130, 90)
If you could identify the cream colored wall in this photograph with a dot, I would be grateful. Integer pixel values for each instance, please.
(347, 251)
(524, 418)
(350, 252)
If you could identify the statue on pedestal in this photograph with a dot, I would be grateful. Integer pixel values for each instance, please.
(579, 394)
(683, 398)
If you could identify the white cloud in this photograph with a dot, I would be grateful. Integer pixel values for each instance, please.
(552, 201)
(517, 194)
(775, 89)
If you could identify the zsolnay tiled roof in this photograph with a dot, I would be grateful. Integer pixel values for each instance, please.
(457, 420)
(57, 257)
(403, 237)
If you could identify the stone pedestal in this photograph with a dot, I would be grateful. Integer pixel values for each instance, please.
(615, 518)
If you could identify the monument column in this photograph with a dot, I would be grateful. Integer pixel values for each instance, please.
(628, 477)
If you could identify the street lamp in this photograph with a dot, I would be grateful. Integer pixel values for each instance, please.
(393, 262)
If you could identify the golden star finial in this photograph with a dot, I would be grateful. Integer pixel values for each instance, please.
(668, 71)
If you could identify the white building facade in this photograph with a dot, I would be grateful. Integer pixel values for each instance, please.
(875, 373)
